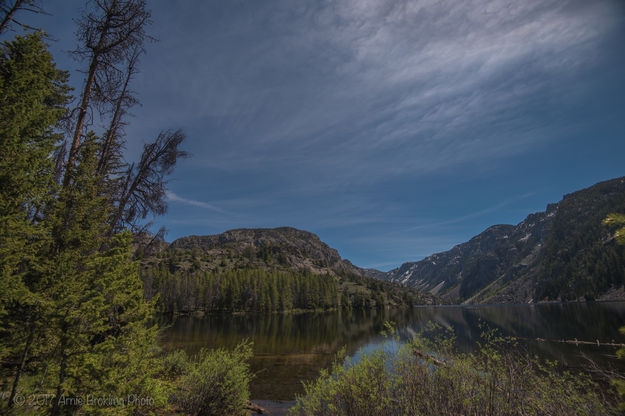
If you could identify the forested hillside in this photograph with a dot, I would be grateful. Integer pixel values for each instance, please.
(278, 269)
(581, 258)
(564, 253)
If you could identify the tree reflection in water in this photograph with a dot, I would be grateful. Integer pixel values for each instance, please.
(290, 348)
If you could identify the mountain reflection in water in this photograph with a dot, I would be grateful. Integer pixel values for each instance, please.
(291, 348)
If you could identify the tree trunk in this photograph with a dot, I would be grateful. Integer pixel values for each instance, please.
(56, 408)
(110, 136)
(9, 16)
(20, 368)
(80, 122)
(84, 104)
(124, 199)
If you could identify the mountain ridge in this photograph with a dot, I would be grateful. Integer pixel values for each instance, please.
(562, 253)
(263, 269)
(291, 247)
(530, 261)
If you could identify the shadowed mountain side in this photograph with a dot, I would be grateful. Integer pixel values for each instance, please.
(563, 253)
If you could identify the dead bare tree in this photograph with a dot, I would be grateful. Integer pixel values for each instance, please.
(110, 154)
(11, 8)
(143, 186)
(107, 33)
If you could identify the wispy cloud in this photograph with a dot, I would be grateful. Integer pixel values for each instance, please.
(346, 115)
(473, 215)
(359, 91)
(171, 196)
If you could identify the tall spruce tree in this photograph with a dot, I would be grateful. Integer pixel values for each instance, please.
(100, 318)
(72, 313)
(32, 98)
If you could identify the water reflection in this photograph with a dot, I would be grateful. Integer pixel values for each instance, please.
(291, 348)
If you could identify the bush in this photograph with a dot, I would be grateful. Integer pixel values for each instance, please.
(409, 380)
(217, 382)
(175, 363)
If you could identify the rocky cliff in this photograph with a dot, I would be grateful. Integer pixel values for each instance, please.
(563, 253)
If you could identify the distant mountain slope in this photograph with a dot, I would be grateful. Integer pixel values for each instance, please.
(263, 269)
(282, 248)
(563, 253)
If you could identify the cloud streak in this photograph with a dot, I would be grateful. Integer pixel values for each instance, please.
(359, 91)
(173, 197)
(349, 115)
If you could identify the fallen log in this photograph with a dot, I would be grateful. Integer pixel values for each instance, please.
(255, 408)
(429, 358)
(577, 342)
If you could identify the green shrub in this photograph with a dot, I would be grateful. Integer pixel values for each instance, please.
(409, 380)
(217, 382)
(175, 363)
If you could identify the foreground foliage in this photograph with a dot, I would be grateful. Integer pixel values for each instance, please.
(408, 379)
(75, 331)
(215, 383)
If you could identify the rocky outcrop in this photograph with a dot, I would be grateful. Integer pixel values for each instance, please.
(284, 246)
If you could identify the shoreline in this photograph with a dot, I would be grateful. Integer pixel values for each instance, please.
(270, 407)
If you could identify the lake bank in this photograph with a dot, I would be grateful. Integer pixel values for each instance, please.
(271, 407)
(289, 349)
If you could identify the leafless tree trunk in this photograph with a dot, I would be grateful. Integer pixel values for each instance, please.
(80, 122)
(107, 33)
(143, 191)
(17, 5)
(125, 100)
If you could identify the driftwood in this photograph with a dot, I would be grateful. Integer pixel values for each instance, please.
(429, 358)
(577, 342)
(256, 408)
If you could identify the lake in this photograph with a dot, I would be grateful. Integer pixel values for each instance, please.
(291, 348)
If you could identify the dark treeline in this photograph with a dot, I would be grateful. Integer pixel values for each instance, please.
(259, 290)
(180, 282)
(241, 290)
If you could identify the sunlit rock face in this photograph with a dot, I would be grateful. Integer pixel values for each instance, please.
(282, 247)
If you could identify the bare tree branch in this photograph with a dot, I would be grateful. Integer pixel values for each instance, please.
(107, 33)
(14, 7)
(143, 192)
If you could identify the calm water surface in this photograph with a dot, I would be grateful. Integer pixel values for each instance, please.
(289, 349)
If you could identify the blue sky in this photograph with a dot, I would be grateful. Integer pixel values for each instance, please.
(392, 129)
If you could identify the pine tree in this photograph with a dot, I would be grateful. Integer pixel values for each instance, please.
(32, 95)
(71, 302)
(99, 313)
(32, 98)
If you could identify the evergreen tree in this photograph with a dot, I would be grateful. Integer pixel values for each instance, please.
(32, 95)
(32, 98)
(99, 314)
(71, 301)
